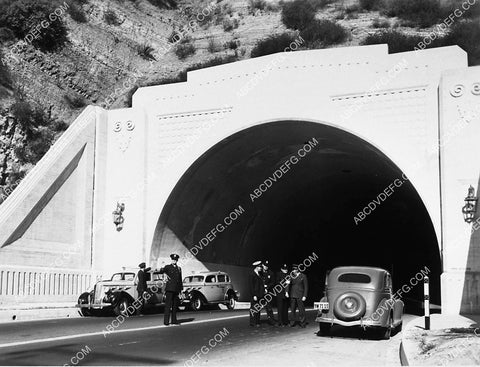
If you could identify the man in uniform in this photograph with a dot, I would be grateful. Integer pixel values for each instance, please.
(297, 291)
(257, 291)
(173, 287)
(269, 283)
(282, 300)
(142, 285)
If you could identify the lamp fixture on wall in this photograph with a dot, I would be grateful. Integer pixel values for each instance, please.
(470, 206)
(118, 217)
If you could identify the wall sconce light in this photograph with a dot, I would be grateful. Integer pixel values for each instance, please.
(118, 217)
(470, 206)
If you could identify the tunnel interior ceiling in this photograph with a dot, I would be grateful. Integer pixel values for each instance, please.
(310, 208)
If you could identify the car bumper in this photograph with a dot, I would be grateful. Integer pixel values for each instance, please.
(93, 305)
(362, 322)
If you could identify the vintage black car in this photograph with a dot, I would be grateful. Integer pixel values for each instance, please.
(120, 292)
(359, 296)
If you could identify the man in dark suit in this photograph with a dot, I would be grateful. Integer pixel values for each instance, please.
(257, 291)
(269, 283)
(297, 291)
(173, 287)
(282, 300)
(142, 284)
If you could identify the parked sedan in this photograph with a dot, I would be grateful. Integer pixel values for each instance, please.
(359, 296)
(211, 287)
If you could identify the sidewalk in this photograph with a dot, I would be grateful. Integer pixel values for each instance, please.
(453, 340)
(36, 311)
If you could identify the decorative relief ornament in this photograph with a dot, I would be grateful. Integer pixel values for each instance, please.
(458, 90)
(123, 133)
(476, 89)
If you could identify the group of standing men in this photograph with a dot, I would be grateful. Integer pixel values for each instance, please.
(288, 289)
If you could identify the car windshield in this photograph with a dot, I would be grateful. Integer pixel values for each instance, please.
(354, 278)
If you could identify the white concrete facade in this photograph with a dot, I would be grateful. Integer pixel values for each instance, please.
(403, 104)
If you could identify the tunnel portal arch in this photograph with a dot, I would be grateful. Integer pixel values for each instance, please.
(284, 214)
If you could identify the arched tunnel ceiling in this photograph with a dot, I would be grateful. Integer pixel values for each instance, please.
(310, 208)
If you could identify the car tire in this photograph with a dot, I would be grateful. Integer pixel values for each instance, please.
(324, 328)
(386, 332)
(121, 307)
(343, 314)
(196, 304)
(231, 302)
(86, 312)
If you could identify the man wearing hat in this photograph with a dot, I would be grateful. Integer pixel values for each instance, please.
(282, 300)
(269, 283)
(142, 284)
(297, 291)
(173, 287)
(257, 291)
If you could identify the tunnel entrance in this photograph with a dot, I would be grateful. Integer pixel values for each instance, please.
(312, 207)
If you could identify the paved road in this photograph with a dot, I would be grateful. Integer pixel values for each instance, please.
(210, 337)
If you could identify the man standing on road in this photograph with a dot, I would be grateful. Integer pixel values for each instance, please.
(269, 283)
(257, 291)
(173, 288)
(282, 300)
(297, 291)
(142, 285)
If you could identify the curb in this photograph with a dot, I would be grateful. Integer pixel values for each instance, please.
(38, 314)
(403, 356)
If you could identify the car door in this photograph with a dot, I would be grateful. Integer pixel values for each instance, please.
(211, 290)
(222, 284)
(155, 287)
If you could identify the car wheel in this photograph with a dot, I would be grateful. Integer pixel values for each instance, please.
(386, 332)
(85, 312)
(121, 308)
(324, 328)
(231, 302)
(196, 303)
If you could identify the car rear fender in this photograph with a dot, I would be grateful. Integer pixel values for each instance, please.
(383, 311)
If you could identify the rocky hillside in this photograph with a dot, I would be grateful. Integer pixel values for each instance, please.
(114, 46)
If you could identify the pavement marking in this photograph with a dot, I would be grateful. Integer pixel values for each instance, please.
(75, 336)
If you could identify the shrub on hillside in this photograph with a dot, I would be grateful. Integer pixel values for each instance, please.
(6, 35)
(213, 45)
(323, 33)
(298, 14)
(466, 35)
(185, 48)
(254, 5)
(5, 77)
(76, 13)
(377, 23)
(370, 4)
(111, 17)
(396, 40)
(164, 4)
(145, 51)
(75, 102)
(272, 44)
(21, 16)
(230, 24)
(423, 13)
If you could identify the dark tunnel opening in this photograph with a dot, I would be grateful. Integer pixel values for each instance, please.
(310, 208)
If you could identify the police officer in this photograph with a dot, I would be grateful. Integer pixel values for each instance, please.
(257, 291)
(173, 287)
(142, 284)
(269, 283)
(282, 300)
(297, 291)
